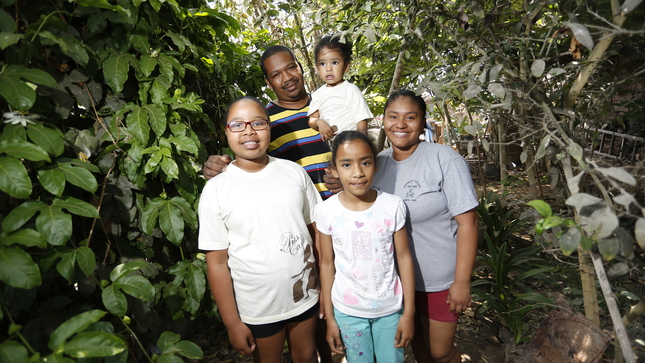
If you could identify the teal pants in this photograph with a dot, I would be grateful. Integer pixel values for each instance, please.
(365, 339)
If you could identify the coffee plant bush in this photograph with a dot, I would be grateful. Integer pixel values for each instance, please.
(109, 110)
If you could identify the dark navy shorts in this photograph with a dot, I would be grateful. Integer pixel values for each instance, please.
(270, 329)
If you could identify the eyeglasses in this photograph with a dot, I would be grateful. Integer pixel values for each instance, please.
(239, 126)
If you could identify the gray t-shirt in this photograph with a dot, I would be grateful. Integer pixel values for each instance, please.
(436, 185)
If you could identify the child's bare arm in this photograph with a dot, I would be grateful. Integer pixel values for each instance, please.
(327, 272)
(405, 330)
(313, 120)
(326, 131)
(219, 279)
(361, 126)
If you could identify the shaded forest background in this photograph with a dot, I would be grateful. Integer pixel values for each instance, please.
(111, 107)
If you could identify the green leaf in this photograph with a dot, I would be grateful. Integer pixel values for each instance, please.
(157, 119)
(136, 286)
(171, 223)
(184, 143)
(167, 340)
(169, 166)
(569, 241)
(156, 4)
(86, 260)
(53, 180)
(80, 177)
(77, 206)
(49, 139)
(127, 268)
(159, 89)
(137, 123)
(148, 65)
(195, 282)
(608, 247)
(153, 162)
(114, 300)
(94, 344)
(541, 207)
(72, 326)
(187, 211)
(582, 199)
(83, 164)
(13, 352)
(140, 42)
(9, 39)
(21, 214)
(54, 225)
(17, 92)
(189, 350)
(639, 232)
(14, 179)
(17, 269)
(13, 132)
(32, 75)
(149, 215)
(23, 150)
(7, 23)
(65, 266)
(115, 71)
(26, 237)
(58, 358)
(165, 66)
(68, 45)
(542, 148)
(169, 358)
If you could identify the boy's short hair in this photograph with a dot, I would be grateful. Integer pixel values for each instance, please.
(273, 50)
(337, 42)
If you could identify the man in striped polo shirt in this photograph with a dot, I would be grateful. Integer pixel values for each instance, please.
(291, 136)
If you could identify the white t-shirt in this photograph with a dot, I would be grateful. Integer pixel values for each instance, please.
(262, 218)
(436, 185)
(342, 106)
(366, 284)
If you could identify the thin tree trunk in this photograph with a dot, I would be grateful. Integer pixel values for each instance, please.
(398, 71)
(596, 55)
(303, 47)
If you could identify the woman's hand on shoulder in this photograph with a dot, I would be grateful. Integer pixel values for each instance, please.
(241, 338)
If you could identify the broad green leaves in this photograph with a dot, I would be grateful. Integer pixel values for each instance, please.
(13, 178)
(84, 344)
(171, 214)
(17, 269)
(126, 281)
(18, 93)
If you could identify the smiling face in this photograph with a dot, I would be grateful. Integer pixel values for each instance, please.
(331, 66)
(355, 166)
(249, 146)
(284, 76)
(403, 123)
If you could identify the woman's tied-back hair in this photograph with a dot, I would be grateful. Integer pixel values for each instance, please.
(225, 119)
(337, 42)
(347, 136)
(416, 99)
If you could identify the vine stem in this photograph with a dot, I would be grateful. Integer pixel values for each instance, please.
(127, 326)
(22, 338)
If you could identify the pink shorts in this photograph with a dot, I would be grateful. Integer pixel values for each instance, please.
(433, 305)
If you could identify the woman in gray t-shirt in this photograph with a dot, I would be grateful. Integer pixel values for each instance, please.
(435, 183)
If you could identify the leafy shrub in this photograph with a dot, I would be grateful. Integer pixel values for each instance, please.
(108, 110)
